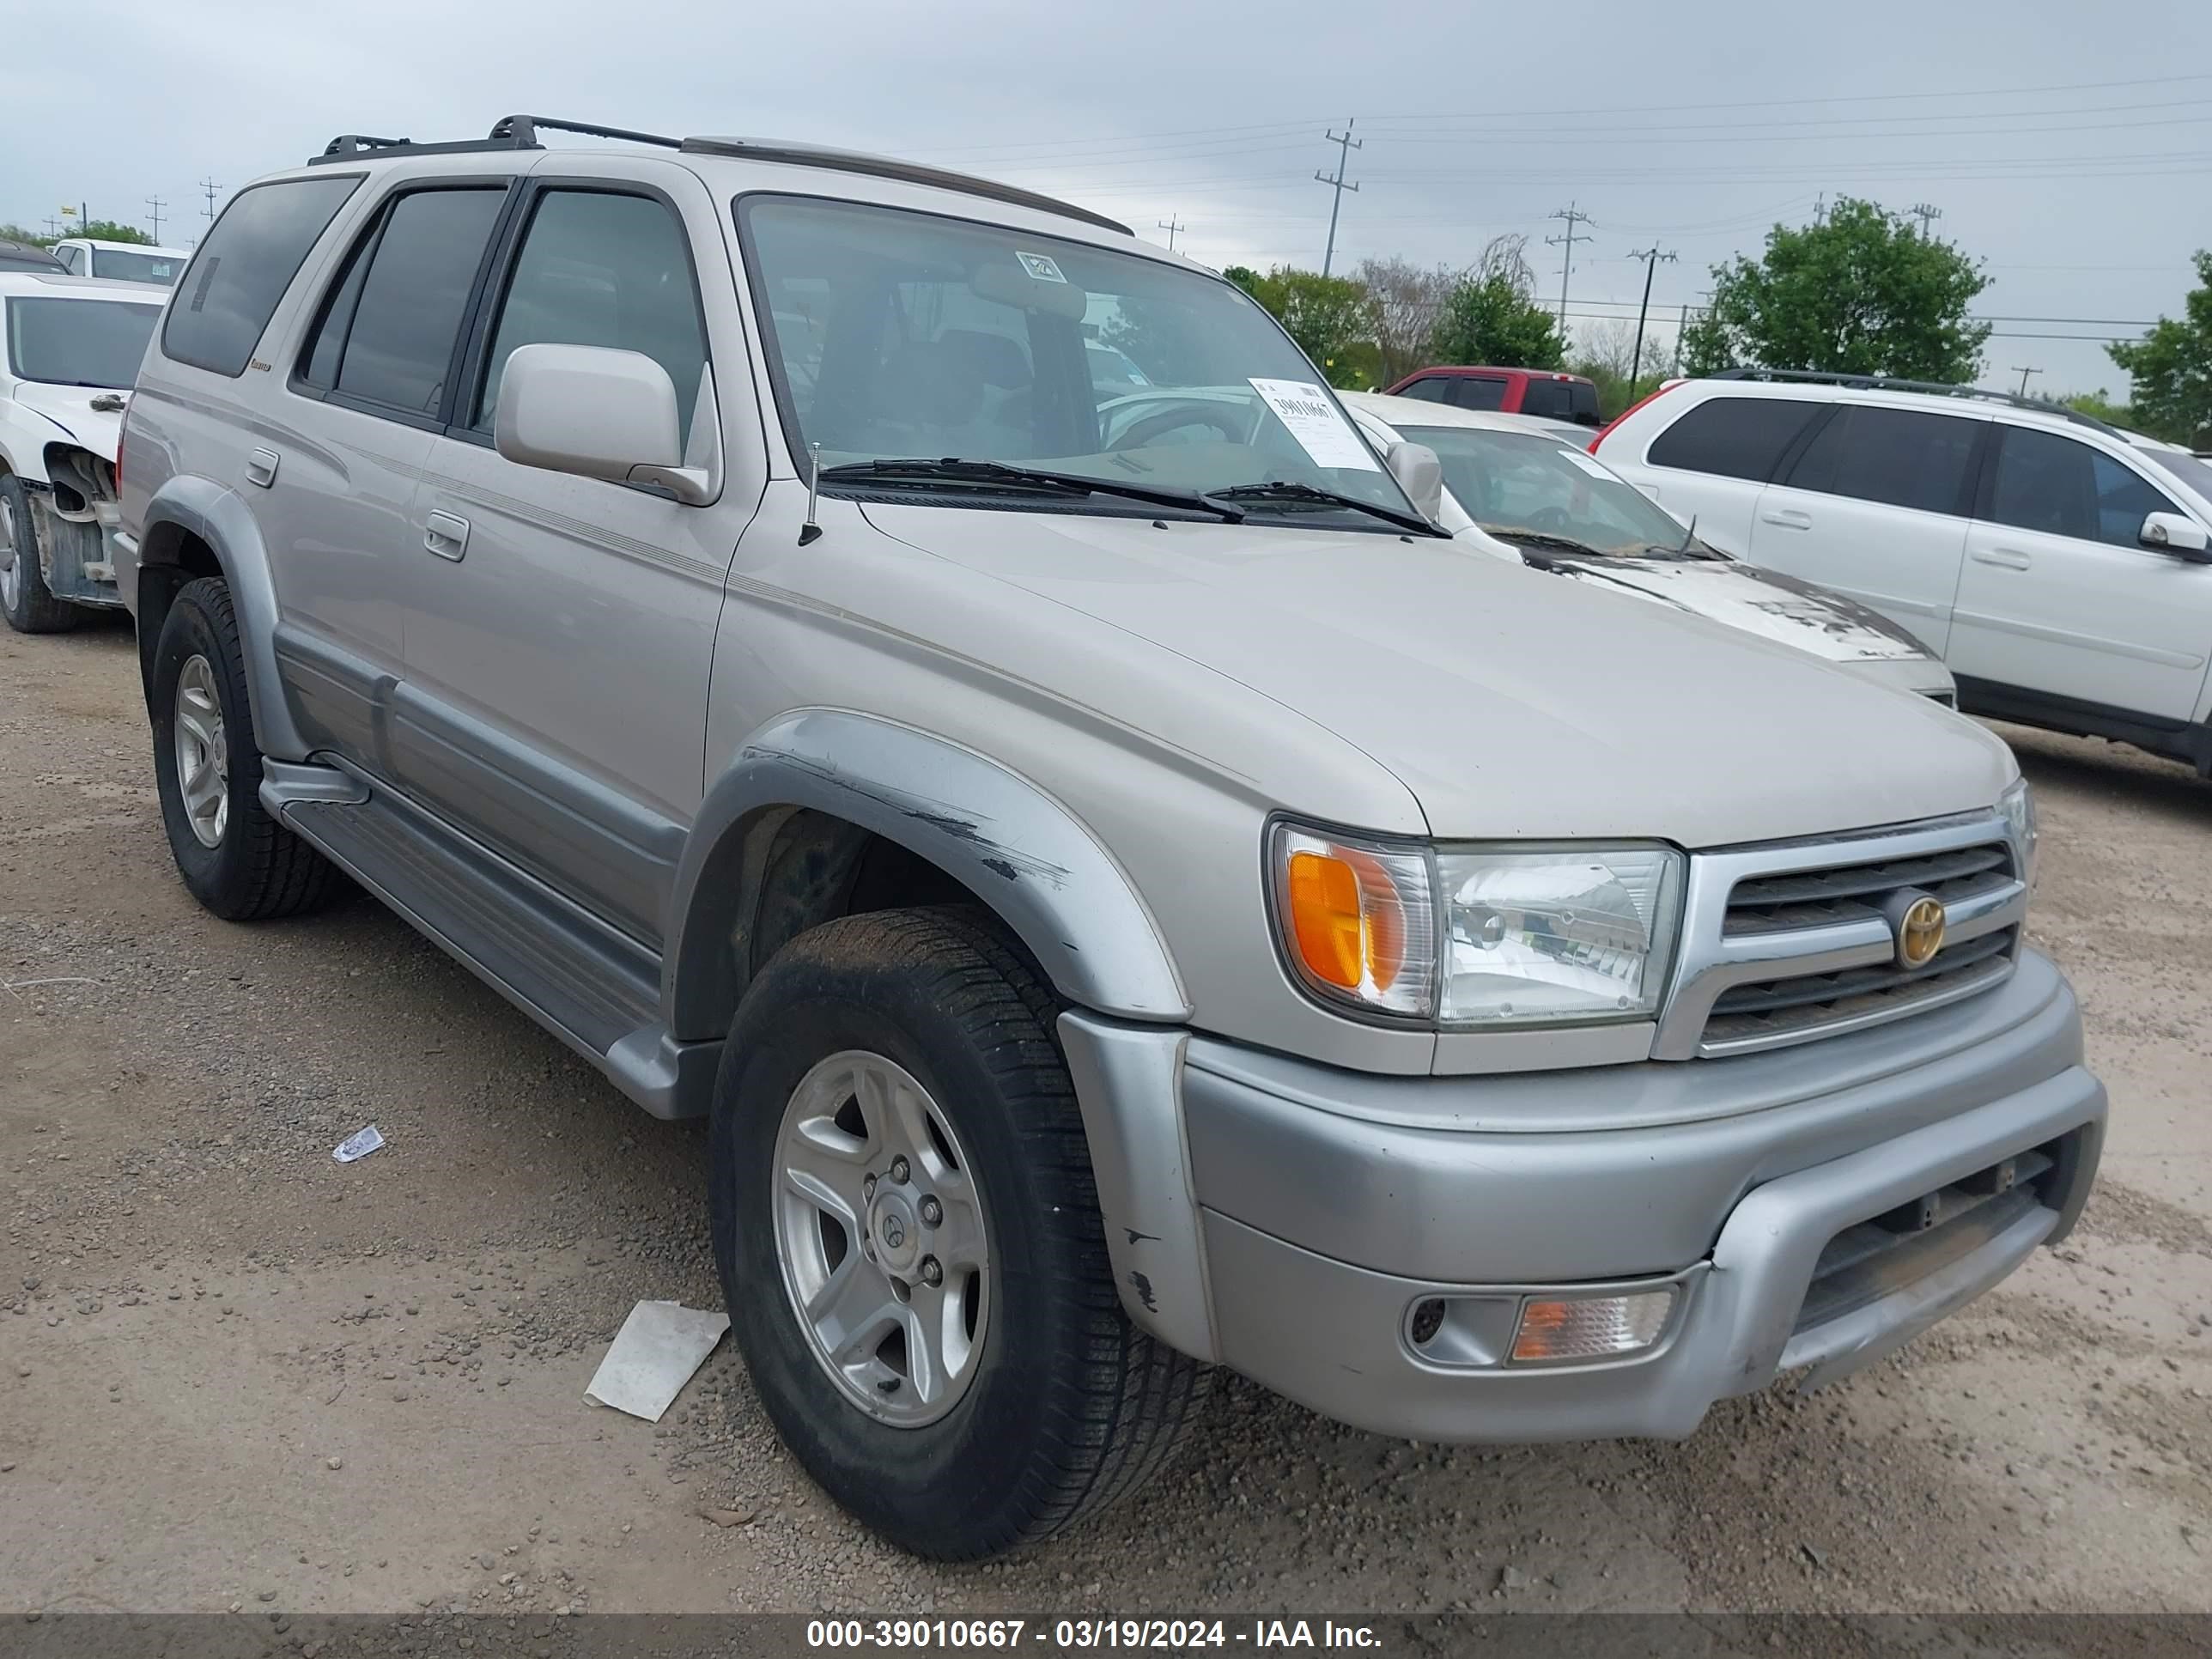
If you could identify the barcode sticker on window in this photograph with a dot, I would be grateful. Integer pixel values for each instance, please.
(1314, 419)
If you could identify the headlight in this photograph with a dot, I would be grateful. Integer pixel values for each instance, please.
(1571, 934)
(2018, 806)
(1576, 933)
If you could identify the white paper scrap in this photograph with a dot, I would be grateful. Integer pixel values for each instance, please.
(1317, 423)
(658, 1347)
(360, 1144)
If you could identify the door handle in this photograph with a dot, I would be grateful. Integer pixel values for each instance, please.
(1788, 518)
(446, 535)
(2006, 558)
(261, 467)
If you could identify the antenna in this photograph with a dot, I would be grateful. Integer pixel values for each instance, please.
(155, 204)
(810, 531)
(1345, 143)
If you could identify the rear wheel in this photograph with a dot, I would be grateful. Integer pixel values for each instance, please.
(910, 1245)
(236, 858)
(24, 598)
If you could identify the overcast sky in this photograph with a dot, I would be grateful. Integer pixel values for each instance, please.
(2069, 146)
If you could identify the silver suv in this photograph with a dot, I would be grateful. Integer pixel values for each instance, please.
(1129, 897)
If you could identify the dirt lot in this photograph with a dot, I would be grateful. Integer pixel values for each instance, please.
(234, 1372)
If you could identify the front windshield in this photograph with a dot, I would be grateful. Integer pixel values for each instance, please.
(123, 265)
(903, 336)
(78, 342)
(1524, 483)
(2196, 474)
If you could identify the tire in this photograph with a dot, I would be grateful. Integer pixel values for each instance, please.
(24, 600)
(244, 865)
(1066, 1406)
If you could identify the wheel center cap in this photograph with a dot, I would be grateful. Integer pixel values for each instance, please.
(896, 1230)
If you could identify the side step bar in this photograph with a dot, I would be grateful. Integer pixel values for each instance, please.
(592, 987)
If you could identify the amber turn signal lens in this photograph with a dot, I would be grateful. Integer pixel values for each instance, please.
(1357, 922)
(1325, 918)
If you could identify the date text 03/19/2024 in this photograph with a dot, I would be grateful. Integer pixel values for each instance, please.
(1084, 1635)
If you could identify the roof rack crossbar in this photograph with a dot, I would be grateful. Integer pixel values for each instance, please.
(508, 132)
(523, 130)
(1891, 383)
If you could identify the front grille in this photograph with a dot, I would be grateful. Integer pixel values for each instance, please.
(1884, 1256)
(1788, 942)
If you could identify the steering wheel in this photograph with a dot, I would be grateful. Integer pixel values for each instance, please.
(1228, 424)
(1552, 520)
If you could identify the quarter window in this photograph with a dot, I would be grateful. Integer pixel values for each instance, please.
(1898, 457)
(598, 268)
(1734, 437)
(2047, 482)
(244, 267)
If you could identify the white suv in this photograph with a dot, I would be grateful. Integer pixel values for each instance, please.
(2061, 567)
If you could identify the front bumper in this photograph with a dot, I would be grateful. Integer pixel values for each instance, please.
(1298, 1215)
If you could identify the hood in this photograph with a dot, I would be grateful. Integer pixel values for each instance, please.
(69, 408)
(1513, 705)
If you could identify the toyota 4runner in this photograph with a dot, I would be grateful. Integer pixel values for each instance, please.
(1125, 901)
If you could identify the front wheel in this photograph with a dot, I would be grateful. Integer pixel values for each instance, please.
(25, 601)
(910, 1244)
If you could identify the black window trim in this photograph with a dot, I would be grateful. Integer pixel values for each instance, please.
(489, 298)
(364, 247)
(291, 276)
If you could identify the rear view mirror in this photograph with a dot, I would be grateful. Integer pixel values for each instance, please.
(1419, 474)
(2184, 538)
(597, 413)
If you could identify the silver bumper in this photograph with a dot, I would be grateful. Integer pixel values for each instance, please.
(1286, 1219)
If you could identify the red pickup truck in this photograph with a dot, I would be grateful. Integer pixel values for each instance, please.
(1509, 391)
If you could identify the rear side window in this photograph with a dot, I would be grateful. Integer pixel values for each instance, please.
(2046, 483)
(1429, 391)
(244, 267)
(72, 256)
(1474, 390)
(1561, 400)
(1734, 437)
(1898, 457)
(387, 335)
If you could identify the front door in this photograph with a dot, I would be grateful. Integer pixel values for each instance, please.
(559, 630)
(2061, 598)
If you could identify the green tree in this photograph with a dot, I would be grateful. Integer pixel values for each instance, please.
(19, 233)
(2098, 405)
(2171, 366)
(1862, 293)
(108, 230)
(1328, 316)
(1489, 319)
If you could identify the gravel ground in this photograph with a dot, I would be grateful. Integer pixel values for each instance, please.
(237, 1375)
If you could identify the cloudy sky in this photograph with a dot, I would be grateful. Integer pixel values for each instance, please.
(2069, 147)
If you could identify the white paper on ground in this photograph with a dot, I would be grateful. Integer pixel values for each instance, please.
(360, 1144)
(1317, 422)
(658, 1347)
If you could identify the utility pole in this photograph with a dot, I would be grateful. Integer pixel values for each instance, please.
(1345, 143)
(153, 205)
(1652, 258)
(1170, 226)
(1821, 209)
(1927, 216)
(2024, 374)
(207, 188)
(53, 227)
(1681, 328)
(1574, 216)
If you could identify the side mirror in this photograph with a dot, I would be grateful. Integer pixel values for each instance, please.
(2184, 538)
(597, 413)
(1419, 474)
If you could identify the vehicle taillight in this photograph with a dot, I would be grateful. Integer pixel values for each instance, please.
(1606, 431)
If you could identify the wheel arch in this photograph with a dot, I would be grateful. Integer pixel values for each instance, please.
(192, 528)
(786, 835)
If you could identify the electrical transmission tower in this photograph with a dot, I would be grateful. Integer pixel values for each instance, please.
(1574, 216)
(1652, 258)
(1345, 143)
(154, 206)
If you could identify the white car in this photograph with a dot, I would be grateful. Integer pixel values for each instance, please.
(2062, 567)
(69, 349)
(122, 262)
(1519, 492)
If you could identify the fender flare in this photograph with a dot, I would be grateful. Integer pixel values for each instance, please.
(1044, 874)
(186, 505)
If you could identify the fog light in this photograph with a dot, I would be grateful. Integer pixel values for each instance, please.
(1552, 1330)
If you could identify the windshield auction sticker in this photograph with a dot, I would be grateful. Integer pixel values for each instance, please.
(1317, 422)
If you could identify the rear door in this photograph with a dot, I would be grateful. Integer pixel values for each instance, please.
(2060, 597)
(1875, 505)
(1713, 460)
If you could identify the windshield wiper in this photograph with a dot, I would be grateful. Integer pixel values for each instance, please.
(1286, 489)
(953, 469)
(1545, 538)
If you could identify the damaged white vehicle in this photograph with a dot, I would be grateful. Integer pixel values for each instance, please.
(1521, 493)
(69, 349)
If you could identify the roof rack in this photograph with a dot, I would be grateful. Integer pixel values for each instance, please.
(508, 132)
(520, 132)
(1937, 388)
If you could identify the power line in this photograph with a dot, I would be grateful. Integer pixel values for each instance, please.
(1345, 143)
(1574, 216)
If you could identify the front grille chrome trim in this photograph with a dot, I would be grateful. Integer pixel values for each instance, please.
(1712, 960)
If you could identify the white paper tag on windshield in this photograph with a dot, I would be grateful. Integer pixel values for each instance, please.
(1317, 422)
(1589, 464)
